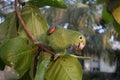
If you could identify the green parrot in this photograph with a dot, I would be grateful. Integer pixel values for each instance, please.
(59, 39)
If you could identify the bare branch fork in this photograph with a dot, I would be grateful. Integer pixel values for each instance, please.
(29, 34)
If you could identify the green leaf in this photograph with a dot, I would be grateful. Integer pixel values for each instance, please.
(64, 68)
(34, 21)
(8, 28)
(18, 54)
(53, 3)
(40, 75)
(107, 16)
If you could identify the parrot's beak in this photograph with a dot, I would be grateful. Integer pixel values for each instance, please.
(80, 46)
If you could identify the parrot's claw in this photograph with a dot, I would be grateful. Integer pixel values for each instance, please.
(56, 56)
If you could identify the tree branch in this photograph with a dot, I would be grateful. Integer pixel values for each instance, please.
(29, 34)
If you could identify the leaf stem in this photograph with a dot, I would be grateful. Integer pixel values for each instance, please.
(81, 57)
(29, 34)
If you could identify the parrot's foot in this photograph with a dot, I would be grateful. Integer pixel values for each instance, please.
(56, 56)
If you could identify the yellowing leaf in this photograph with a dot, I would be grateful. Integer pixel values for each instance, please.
(116, 14)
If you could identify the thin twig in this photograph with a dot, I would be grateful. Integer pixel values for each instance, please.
(81, 57)
(29, 34)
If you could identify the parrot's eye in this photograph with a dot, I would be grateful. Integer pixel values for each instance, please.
(80, 37)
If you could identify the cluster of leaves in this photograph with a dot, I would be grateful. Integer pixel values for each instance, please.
(17, 51)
